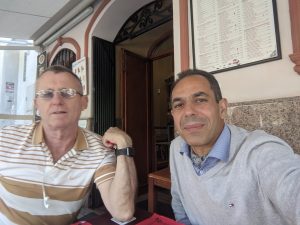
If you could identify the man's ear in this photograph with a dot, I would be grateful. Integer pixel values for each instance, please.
(84, 102)
(223, 104)
(35, 103)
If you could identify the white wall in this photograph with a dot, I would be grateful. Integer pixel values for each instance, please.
(274, 79)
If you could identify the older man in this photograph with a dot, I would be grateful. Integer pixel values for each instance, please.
(47, 168)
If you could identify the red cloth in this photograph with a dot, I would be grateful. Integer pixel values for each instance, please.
(158, 219)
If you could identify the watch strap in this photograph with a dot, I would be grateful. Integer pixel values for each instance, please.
(128, 151)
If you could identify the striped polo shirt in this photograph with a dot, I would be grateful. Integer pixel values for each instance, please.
(36, 190)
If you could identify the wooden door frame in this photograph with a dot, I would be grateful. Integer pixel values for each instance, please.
(123, 99)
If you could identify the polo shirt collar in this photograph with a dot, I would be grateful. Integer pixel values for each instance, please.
(38, 138)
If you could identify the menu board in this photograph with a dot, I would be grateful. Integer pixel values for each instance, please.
(229, 34)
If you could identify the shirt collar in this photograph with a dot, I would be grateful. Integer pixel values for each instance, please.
(220, 150)
(38, 138)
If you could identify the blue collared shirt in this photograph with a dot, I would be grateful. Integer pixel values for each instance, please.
(220, 151)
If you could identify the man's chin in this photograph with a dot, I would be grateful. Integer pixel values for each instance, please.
(57, 124)
(192, 140)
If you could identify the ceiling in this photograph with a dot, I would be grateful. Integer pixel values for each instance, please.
(34, 19)
(29, 19)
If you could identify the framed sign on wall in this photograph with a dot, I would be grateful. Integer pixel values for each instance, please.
(41, 62)
(230, 34)
(79, 68)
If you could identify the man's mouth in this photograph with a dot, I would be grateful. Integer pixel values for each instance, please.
(193, 123)
(59, 112)
(193, 126)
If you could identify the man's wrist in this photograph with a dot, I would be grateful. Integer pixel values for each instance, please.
(128, 151)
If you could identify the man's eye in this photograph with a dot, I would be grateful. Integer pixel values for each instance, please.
(65, 93)
(177, 106)
(200, 100)
(48, 94)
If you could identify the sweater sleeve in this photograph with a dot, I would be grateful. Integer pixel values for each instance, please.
(278, 169)
(178, 209)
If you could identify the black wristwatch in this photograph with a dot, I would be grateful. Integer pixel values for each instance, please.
(129, 151)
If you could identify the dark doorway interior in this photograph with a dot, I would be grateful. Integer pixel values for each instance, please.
(104, 90)
(135, 82)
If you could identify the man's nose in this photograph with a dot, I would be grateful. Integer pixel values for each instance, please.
(57, 97)
(189, 108)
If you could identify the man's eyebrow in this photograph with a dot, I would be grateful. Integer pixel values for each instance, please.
(176, 99)
(199, 94)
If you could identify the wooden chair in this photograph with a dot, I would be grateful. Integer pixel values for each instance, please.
(160, 178)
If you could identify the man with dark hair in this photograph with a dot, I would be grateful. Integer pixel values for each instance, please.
(223, 174)
(47, 168)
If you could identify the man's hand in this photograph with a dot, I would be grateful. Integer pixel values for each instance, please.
(119, 194)
(116, 138)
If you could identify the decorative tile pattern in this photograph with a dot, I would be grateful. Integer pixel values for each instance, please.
(280, 117)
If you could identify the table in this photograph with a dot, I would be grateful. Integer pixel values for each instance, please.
(105, 218)
(160, 178)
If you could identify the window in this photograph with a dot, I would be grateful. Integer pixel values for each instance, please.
(64, 57)
(17, 82)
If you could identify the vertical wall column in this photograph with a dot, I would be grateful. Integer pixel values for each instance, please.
(184, 34)
(295, 29)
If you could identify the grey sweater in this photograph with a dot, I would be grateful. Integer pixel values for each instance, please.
(258, 185)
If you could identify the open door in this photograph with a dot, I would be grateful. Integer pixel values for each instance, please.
(104, 88)
(135, 80)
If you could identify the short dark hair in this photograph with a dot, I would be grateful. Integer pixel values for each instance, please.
(208, 76)
(61, 69)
